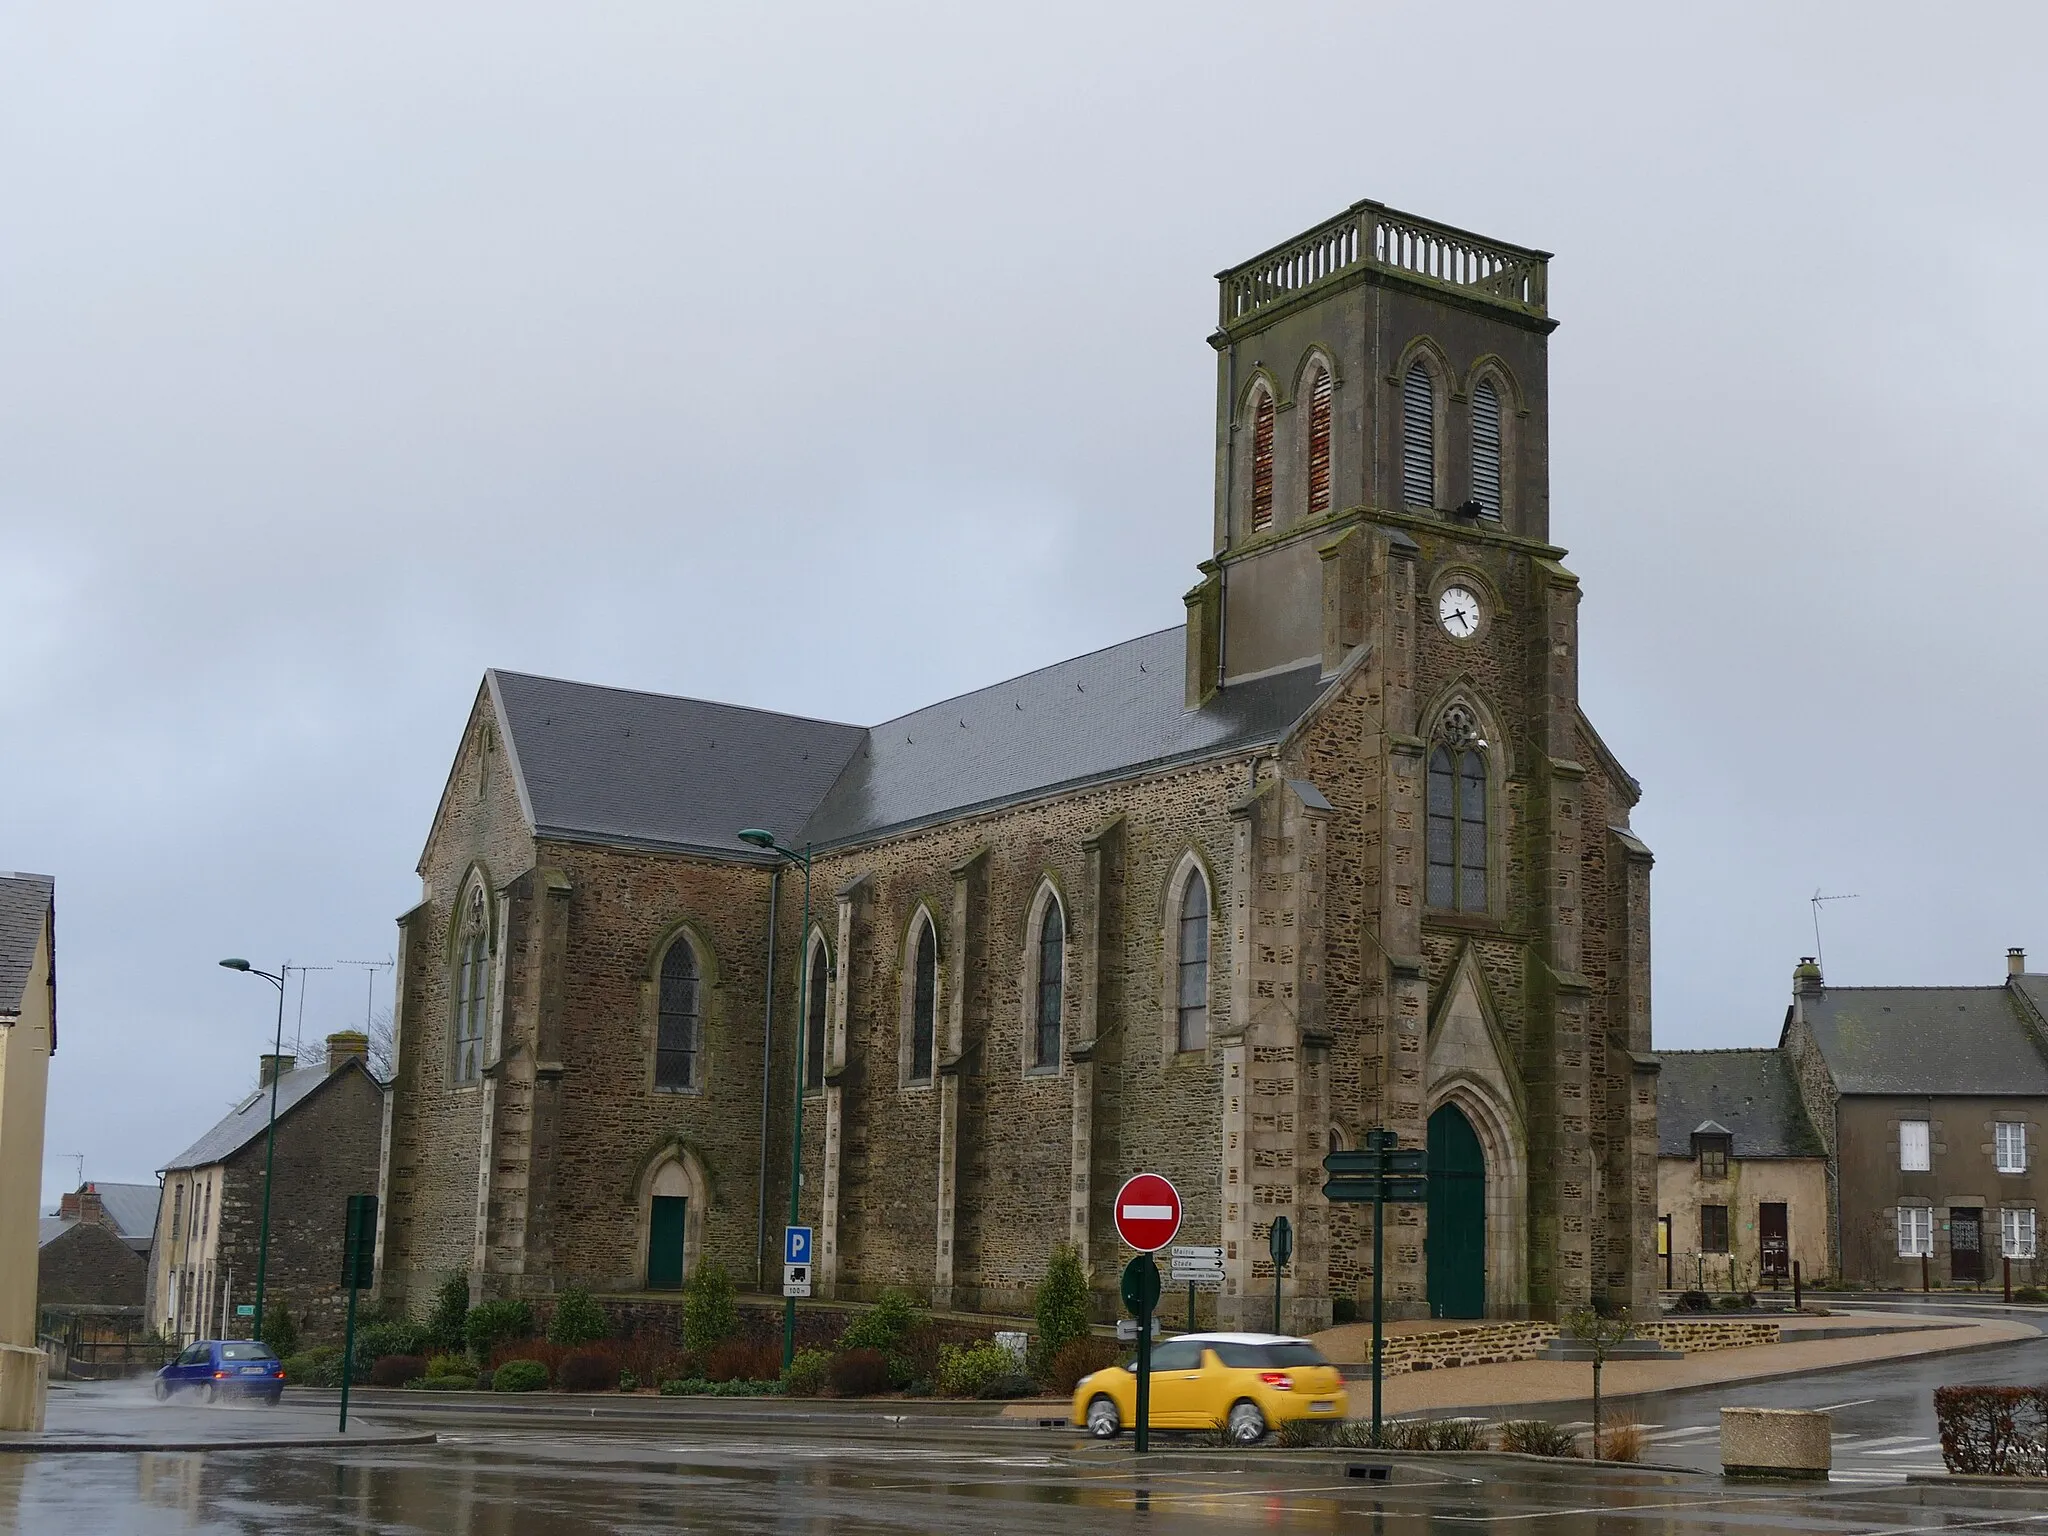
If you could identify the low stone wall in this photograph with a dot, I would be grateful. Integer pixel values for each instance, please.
(1698, 1336)
(1442, 1349)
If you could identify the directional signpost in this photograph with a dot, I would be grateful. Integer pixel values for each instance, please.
(1194, 1267)
(1386, 1173)
(1147, 1217)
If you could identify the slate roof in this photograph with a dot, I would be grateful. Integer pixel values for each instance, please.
(1751, 1094)
(25, 902)
(131, 1206)
(251, 1117)
(1930, 1040)
(660, 771)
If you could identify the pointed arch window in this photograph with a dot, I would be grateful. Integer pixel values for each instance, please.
(1191, 966)
(814, 1017)
(924, 1002)
(472, 989)
(1418, 437)
(1486, 478)
(1262, 460)
(679, 1028)
(1320, 391)
(1457, 815)
(1052, 963)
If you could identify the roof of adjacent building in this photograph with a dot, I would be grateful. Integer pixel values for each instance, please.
(25, 902)
(1749, 1095)
(251, 1117)
(1933, 1040)
(661, 771)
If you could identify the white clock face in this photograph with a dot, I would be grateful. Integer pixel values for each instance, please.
(1458, 611)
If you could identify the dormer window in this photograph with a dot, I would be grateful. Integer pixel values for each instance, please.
(1711, 1144)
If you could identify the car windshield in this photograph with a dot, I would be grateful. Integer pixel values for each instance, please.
(249, 1350)
(1267, 1357)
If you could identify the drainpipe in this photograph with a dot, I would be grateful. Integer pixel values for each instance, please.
(767, 1044)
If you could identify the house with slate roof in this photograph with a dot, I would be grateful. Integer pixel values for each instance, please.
(1932, 1102)
(95, 1250)
(28, 1039)
(1742, 1176)
(1330, 856)
(209, 1221)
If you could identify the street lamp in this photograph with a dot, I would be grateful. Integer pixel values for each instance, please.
(270, 1142)
(765, 841)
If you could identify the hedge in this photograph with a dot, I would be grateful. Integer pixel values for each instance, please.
(2001, 1431)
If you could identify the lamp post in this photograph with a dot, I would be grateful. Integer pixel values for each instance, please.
(270, 1138)
(765, 840)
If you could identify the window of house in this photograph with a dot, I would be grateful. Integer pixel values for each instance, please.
(1915, 1155)
(924, 998)
(814, 1019)
(1418, 437)
(1052, 951)
(177, 1211)
(1916, 1231)
(2011, 1145)
(1262, 461)
(1457, 816)
(1320, 390)
(472, 987)
(1191, 1030)
(2017, 1233)
(1713, 1229)
(1486, 447)
(205, 1207)
(678, 1036)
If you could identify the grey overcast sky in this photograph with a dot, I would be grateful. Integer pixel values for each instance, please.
(839, 358)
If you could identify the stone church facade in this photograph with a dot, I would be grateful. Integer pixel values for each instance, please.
(1340, 853)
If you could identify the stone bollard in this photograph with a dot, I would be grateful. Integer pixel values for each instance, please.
(1776, 1442)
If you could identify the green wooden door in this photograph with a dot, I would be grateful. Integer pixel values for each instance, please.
(1457, 1217)
(665, 1242)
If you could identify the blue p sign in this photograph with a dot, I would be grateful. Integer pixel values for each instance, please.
(796, 1245)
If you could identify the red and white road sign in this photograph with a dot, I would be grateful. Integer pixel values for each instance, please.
(1147, 1212)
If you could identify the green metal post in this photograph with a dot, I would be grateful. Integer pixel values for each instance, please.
(1379, 1256)
(796, 1132)
(1145, 1377)
(1191, 1306)
(348, 1355)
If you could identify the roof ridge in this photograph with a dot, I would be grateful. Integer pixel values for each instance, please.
(1018, 677)
(678, 698)
(1958, 986)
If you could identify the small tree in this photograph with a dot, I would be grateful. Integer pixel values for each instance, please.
(1600, 1335)
(451, 1311)
(709, 1315)
(577, 1319)
(279, 1331)
(1062, 1304)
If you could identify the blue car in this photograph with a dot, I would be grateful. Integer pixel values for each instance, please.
(218, 1368)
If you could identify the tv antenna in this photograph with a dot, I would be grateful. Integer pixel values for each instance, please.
(1815, 901)
(370, 969)
(299, 1029)
(79, 1158)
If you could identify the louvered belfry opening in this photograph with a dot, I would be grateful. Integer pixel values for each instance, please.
(1486, 447)
(1319, 393)
(1262, 462)
(1418, 437)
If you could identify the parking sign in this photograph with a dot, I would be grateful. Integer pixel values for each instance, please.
(796, 1245)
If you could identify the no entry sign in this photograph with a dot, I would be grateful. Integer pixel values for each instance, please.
(1147, 1212)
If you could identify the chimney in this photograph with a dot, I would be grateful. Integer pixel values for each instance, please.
(1806, 983)
(2015, 962)
(67, 1206)
(268, 1067)
(90, 1211)
(345, 1046)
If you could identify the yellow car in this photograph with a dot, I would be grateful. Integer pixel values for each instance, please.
(1241, 1383)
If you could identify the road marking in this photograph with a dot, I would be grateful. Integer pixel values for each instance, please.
(1834, 1407)
(1690, 1432)
(1865, 1445)
(1918, 1448)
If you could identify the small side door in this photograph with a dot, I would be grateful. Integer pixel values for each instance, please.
(1966, 1243)
(1177, 1395)
(1773, 1232)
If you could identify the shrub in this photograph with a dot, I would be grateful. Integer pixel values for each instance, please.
(1301, 1434)
(587, 1371)
(860, 1372)
(279, 1331)
(808, 1374)
(491, 1323)
(1012, 1383)
(964, 1370)
(1620, 1442)
(1537, 1437)
(883, 1326)
(451, 1308)
(397, 1370)
(697, 1386)
(915, 1360)
(1061, 1303)
(467, 1383)
(628, 1382)
(737, 1360)
(319, 1366)
(452, 1365)
(519, 1376)
(1077, 1358)
(1344, 1310)
(1743, 1303)
(2032, 1295)
(577, 1319)
(380, 1339)
(709, 1316)
(2000, 1431)
(1435, 1435)
(1694, 1301)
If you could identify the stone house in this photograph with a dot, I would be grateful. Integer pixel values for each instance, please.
(1931, 1102)
(1339, 852)
(28, 1040)
(210, 1219)
(95, 1250)
(1742, 1176)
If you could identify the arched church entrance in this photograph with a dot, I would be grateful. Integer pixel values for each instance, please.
(1457, 1216)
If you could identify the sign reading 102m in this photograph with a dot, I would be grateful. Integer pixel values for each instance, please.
(1147, 1212)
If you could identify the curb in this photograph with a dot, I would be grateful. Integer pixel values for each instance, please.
(614, 1407)
(281, 1443)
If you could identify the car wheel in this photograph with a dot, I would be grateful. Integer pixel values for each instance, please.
(271, 1399)
(209, 1394)
(1246, 1425)
(1104, 1423)
(160, 1390)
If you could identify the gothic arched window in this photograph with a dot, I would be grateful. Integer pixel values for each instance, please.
(1320, 390)
(1052, 962)
(1486, 435)
(679, 1027)
(472, 989)
(1457, 815)
(1418, 437)
(924, 1001)
(1262, 460)
(1191, 966)
(814, 1017)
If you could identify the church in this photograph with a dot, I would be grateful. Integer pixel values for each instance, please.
(1340, 853)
